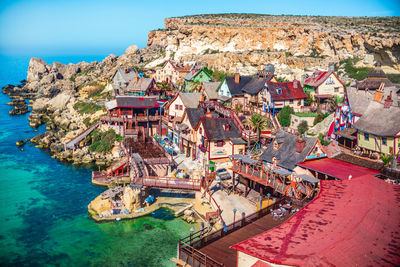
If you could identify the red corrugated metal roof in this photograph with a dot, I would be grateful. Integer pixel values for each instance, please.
(318, 77)
(351, 223)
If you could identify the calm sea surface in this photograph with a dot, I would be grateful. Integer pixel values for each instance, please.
(43, 203)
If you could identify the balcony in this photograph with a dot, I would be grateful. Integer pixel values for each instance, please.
(202, 148)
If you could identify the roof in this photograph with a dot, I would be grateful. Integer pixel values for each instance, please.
(374, 80)
(178, 67)
(211, 89)
(358, 99)
(348, 133)
(214, 128)
(350, 223)
(190, 100)
(286, 153)
(337, 168)
(142, 84)
(254, 86)
(132, 102)
(131, 73)
(236, 88)
(360, 161)
(379, 120)
(194, 115)
(318, 77)
(289, 91)
(245, 159)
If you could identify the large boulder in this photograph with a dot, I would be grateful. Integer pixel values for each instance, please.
(99, 205)
(133, 49)
(131, 199)
(60, 101)
(37, 68)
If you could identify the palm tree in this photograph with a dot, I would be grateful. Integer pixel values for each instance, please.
(257, 123)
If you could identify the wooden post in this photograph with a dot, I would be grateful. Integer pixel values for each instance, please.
(247, 186)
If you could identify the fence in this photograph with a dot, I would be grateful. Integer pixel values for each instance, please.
(189, 246)
(165, 182)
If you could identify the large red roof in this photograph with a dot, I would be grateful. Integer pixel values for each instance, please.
(351, 223)
(288, 90)
(337, 168)
(318, 77)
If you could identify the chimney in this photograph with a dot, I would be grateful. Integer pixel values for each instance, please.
(237, 77)
(388, 101)
(300, 145)
(378, 95)
(295, 84)
(331, 66)
(209, 114)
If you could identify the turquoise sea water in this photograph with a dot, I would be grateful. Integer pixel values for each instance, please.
(43, 204)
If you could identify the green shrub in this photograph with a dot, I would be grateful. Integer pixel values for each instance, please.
(306, 114)
(320, 117)
(103, 142)
(394, 78)
(302, 127)
(354, 72)
(87, 108)
(284, 116)
(322, 140)
(386, 159)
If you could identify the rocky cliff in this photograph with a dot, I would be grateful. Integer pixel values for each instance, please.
(246, 42)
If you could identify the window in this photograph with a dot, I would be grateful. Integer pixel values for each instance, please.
(290, 101)
(279, 91)
(384, 141)
(177, 107)
(366, 137)
(201, 131)
(329, 81)
(336, 89)
(227, 127)
(201, 76)
(220, 143)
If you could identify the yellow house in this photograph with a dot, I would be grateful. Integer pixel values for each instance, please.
(379, 127)
(217, 139)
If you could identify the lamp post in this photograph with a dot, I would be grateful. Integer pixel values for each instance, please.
(234, 216)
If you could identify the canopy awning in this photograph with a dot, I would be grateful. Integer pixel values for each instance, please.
(308, 178)
(282, 172)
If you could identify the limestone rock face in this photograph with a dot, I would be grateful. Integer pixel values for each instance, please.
(99, 205)
(37, 68)
(131, 199)
(231, 43)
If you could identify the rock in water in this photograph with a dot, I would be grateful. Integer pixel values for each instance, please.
(20, 143)
(37, 68)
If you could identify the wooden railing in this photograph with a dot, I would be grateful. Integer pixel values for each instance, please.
(166, 182)
(167, 155)
(189, 246)
(125, 118)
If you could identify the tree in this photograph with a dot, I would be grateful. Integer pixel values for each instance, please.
(257, 123)
(309, 100)
(302, 127)
(335, 101)
(386, 159)
(284, 116)
(320, 117)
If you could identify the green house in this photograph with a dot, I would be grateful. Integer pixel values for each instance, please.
(194, 79)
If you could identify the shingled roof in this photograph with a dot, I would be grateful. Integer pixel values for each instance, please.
(214, 128)
(289, 91)
(132, 102)
(190, 100)
(194, 115)
(141, 84)
(236, 88)
(254, 86)
(286, 153)
(374, 80)
(379, 120)
(211, 89)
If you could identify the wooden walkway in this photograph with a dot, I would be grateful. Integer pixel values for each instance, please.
(71, 144)
(220, 249)
(167, 182)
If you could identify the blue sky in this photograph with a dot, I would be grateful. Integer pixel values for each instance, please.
(54, 27)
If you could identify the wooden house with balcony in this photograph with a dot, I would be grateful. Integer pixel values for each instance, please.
(217, 139)
(141, 86)
(324, 84)
(121, 78)
(174, 111)
(133, 115)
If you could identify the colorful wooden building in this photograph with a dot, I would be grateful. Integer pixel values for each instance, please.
(323, 85)
(194, 79)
